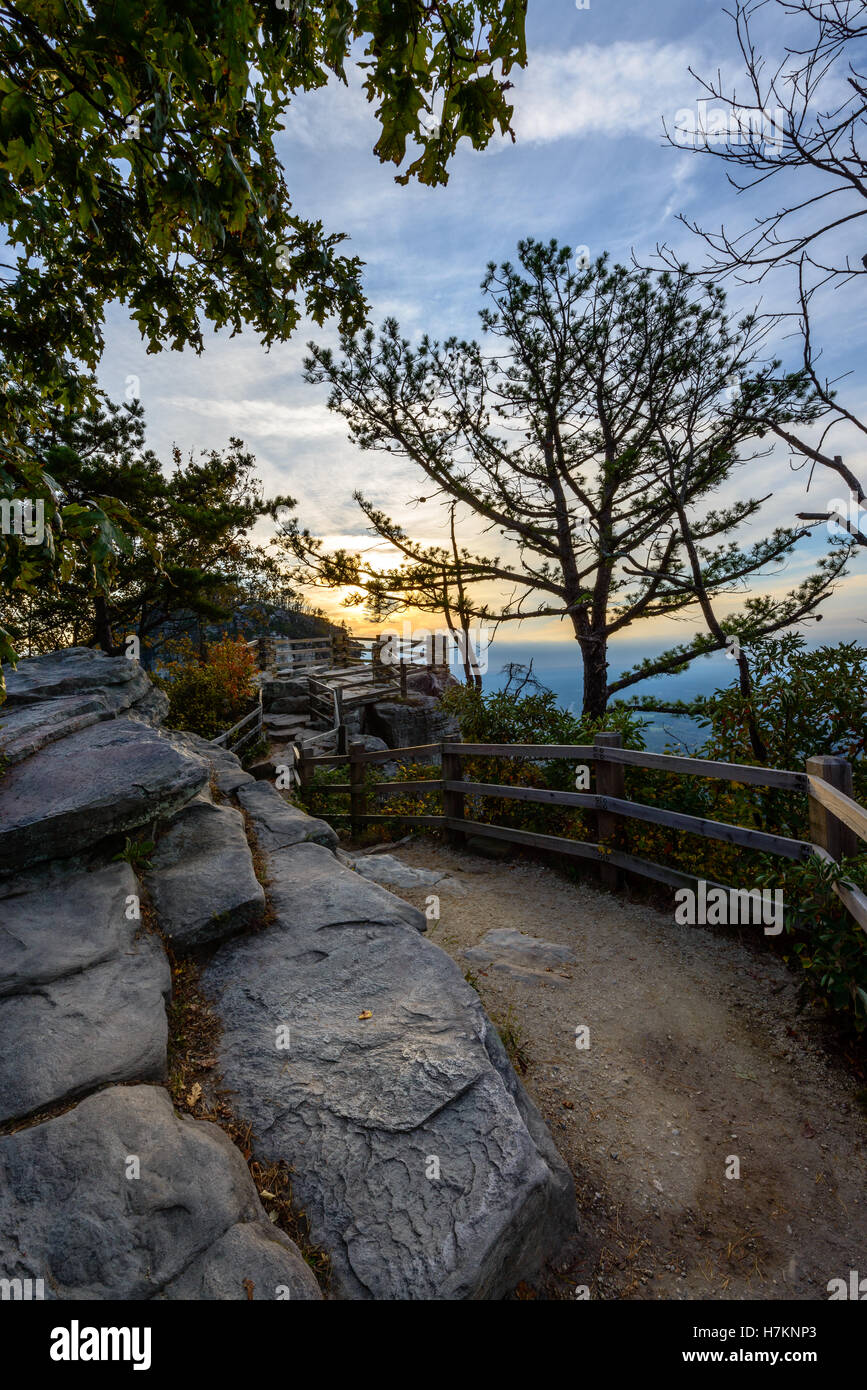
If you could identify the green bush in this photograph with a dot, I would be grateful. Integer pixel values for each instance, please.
(826, 943)
(804, 703)
(208, 696)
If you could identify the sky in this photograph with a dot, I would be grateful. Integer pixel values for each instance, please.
(590, 166)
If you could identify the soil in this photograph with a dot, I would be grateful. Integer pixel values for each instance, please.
(699, 1053)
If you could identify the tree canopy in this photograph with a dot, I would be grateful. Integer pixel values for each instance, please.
(591, 432)
(195, 562)
(138, 164)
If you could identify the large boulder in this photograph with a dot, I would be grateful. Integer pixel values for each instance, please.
(201, 879)
(430, 680)
(226, 771)
(103, 1024)
(103, 780)
(312, 891)
(52, 696)
(120, 1198)
(24, 729)
(361, 1056)
(286, 689)
(76, 671)
(407, 723)
(56, 922)
(289, 704)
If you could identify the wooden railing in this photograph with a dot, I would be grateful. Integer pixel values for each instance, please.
(383, 656)
(252, 722)
(837, 822)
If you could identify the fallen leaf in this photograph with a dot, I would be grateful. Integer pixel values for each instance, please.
(195, 1093)
(249, 1286)
(366, 1014)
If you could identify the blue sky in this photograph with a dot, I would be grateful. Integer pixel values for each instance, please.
(590, 166)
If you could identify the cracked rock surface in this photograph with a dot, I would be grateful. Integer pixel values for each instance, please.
(362, 1056)
(103, 1024)
(352, 1045)
(201, 878)
(103, 780)
(121, 1198)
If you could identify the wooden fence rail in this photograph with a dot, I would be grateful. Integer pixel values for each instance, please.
(836, 820)
(228, 739)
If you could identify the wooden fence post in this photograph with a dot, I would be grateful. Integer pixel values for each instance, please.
(380, 667)
(826, 830)
(342, 730)
(453, 802)
(609, 782)
(357, 792)
(303, 769)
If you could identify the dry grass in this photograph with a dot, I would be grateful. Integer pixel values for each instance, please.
(513, 1038)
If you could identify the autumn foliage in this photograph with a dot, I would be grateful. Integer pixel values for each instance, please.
(208, 694)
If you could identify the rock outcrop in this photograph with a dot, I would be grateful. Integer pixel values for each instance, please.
(201, 878)
(358, 1048)
(99, 781)
(121, 1198)
(118, 1197)
(351, 1045)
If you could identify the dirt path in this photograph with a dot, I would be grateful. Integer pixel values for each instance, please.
(697, 1053)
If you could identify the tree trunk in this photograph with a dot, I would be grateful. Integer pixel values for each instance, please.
(594, 652)
(102, 627)
(757, 743)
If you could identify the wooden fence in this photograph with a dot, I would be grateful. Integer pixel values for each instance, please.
(383, 656)
(837, 822)
(233, 739)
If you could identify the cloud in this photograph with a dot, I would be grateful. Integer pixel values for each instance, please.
(622, 88)
(263, 418)
(336, 116)
(615, 89)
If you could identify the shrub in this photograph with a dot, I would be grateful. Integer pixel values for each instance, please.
(804, 703)
(206, 696)
(826, 943)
